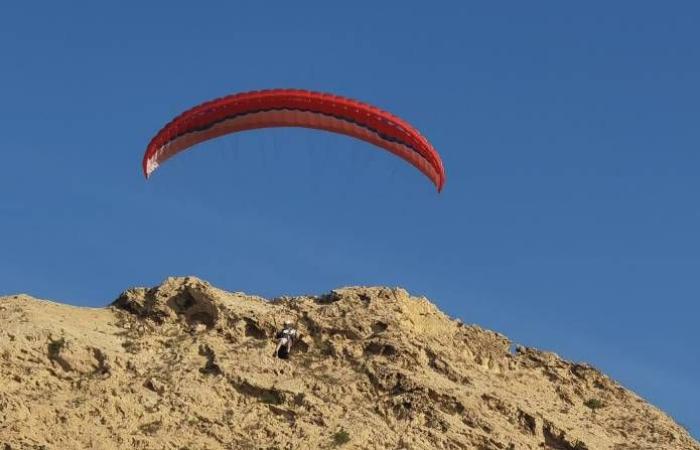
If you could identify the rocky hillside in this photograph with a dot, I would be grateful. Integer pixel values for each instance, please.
(187, 366)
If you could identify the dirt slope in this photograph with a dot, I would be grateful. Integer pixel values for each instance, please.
(187, 366)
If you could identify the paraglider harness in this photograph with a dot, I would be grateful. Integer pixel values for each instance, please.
(290, 335)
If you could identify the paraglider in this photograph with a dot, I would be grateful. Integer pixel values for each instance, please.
(294, 108)
(286, 337)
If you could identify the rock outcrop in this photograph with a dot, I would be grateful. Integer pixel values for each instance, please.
(187, 366)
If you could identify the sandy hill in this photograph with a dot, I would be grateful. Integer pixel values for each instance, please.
(187, 366)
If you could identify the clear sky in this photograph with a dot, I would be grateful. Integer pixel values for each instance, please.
(569, 130)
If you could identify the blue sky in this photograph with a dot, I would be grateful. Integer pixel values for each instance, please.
(569, 220)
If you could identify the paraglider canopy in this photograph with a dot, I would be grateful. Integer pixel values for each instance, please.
(294, 108)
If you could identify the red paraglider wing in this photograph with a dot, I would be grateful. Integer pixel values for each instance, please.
(294, 108)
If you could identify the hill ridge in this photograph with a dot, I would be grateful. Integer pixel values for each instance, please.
(185, 365)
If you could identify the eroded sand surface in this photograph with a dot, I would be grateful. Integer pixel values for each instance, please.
(187, 366)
